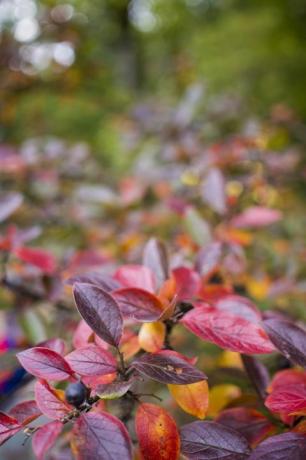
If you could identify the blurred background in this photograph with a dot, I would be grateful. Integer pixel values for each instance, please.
(126, 119)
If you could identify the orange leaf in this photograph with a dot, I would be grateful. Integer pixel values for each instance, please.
(151, 336)
(192, 398)
(157, 433)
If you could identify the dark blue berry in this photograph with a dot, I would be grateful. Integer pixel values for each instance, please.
(76, 394)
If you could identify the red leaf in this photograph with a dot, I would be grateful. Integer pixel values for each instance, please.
(155, 257)
(138, 304)
(100, 311)
(256, 216)
(247, 421)
(228, 331)
(25, 412)
(101, 436)
(157, 433)
(39, 257)
(167, 368)
(8, 427)
(91, 361)
(136, 276)
(9, 203)
(288, 393)
(50, 401)
(44, 438)
(188, 283)
(45, 363)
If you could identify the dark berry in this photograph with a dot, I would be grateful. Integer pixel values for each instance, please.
(76, 394)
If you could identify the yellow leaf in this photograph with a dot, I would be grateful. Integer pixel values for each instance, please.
(230, 359)
(192, 398)
(220, 396)
(151, 336)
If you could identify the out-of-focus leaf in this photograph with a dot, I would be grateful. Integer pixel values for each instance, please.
(281, 447)
(208, 258)
(40, 258)
(91, 361)
(33, 326)
(220, 396)
(188, 283)
(100, 311)
(192, 398)
(45, 437)
(9, 203)
(152, 336)
(213, 190)
(155, 257)
(257, 373)
(167, 369)
(25, 412)
(104, 282)
(55, 344)
(101, 436)
(45, 363)
(138, 304)
(197, 227)
(136, 276)
(157, 433)
(257, 216)
(8, 427)
(212, 441)
(288, 338)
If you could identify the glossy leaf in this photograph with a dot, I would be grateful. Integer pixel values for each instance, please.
(8, 427)
(138, 304)
(167, 369)
(281, 447)
(136, 276)
(249, 422)
(91, 361)
(228, 331)
(45, 437)
(157, 433)
(212, 441)
(51, 402)
(100, 311)
(45, 363)
(101, 436)
(192, 398)
(25, 412)
(151, 336)
(155, 257)
(288, 338)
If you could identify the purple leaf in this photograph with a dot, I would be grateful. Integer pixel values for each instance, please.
(281, 447)
(288, 338)
(257, 373)
(101, 436)
(167, 368)
(155, 257)
(138, 304)
(45, 363)
(8, 204)
(213, 190)
(91, 361)
(208, 258)
(212, 441)
(100, 311)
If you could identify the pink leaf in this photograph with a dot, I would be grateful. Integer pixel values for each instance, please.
(91, 361)
(50, 402)
(44, 438)
(45, 363)
(136, 276)
(25, 412)
(8, 427)
(138, 304)
(257, 216)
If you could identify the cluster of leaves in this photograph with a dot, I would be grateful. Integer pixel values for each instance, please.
(107, 364)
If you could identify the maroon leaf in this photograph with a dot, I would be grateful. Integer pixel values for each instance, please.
(155, 257)
(44, 438)
(248, 422)
(167, 368)
(45, 363)
(256, 216)
(91, 361)
(138, 304)
(104, 282)
(25, 412)
(208, 259)
(257, 373)
(288, 338)
(228, 331)
(50, 401)
(101, 436)
(281, 447)
(8, 427)
(9, 203)
(113, 390)
(136, 276)
(212, 441)
(100, 311)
